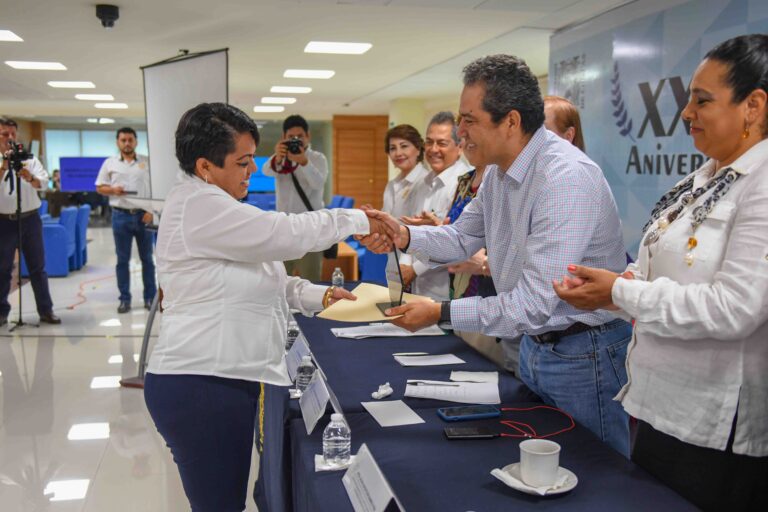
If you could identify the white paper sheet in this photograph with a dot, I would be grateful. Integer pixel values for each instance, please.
(459, 376)
(392, 413)
(383, 330)
(429, 360)
(314, 401)
(460, 392)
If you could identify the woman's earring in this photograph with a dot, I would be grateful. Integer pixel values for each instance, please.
(745, 133)
(206, 179)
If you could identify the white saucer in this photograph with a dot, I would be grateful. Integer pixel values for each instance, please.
(516, 482)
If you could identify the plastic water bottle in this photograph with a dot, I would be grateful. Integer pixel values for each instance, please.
(304, 374)
(337, 441)
(337, 279)
(291, 335)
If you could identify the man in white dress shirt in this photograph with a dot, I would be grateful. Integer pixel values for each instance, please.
(33, 178)
(119, 176)
(435, 194)
(299, 171)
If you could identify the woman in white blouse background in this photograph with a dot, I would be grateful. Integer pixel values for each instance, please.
(226, 300)
(405, 148)
(698, 362)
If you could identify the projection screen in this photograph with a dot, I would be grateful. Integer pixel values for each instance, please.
(172, 87)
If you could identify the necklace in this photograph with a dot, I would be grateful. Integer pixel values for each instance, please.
(721, 183)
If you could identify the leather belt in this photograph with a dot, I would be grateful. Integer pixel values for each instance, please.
(129, 212)
(555, 336)
(13, 216)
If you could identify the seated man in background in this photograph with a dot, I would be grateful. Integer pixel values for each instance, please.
(300, 173)
(436, 194)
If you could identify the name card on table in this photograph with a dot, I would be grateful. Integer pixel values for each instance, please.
(293, 357)
(367, 487)
(313, 401)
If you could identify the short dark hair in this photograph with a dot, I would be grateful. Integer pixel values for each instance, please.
(405, 132)
(295, 121)
(208, 131)
(7, 121)
(128, 130)
(747, 61)
(446, 117)
(509, 85)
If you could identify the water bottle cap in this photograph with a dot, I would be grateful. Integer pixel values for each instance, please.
(337, 268)
(337, 417)
(306, 359)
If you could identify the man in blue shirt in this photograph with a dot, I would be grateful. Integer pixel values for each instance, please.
(543, 205)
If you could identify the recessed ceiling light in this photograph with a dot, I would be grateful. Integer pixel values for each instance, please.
(7, 35)
(28, 64)
(278, 101)
(109, 381)
(264, 108)
(287, 89)
(64, 490)
(94, 97)
(72, 85)
(87, 431)
(339, 48)
(308, 73)
(106, 120)
(93, 120)
(111, 105)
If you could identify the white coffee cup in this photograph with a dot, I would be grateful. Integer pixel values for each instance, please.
(539, 461)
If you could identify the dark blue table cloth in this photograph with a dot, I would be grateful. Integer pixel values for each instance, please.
(430, 473)
(354, 369)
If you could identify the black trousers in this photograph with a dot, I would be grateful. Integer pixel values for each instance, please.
(710, 479)
(34, 254)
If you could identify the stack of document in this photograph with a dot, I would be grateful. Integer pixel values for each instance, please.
(468, 388)
(427, 360)
(383, 330)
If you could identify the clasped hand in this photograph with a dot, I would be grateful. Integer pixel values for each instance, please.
(385, 232)
(588, 288)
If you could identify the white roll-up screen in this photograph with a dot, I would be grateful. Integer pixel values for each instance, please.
(171, 88)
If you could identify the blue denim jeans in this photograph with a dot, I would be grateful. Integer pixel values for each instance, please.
(126, 227)
(581, 374)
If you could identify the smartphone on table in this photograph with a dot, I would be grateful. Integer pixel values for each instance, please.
(468, 412)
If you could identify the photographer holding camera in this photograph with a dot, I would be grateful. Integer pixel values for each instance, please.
(33, 178)
(300, 174)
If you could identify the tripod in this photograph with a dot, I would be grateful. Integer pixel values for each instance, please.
(14, 167)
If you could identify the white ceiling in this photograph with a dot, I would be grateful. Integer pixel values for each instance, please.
(419, 48)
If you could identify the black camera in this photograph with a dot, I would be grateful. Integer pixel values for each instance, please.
(17, 155)
(294, 145)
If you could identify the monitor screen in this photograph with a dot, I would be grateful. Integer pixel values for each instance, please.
(259, 182)
(78, 174)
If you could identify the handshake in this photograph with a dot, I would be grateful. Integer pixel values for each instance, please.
(386, 232)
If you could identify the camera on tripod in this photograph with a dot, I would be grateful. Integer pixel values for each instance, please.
(294, 145)
(17, 155)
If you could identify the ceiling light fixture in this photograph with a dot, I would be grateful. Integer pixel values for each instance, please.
(106, 120)
(10, 37)
(309, 73)
(111, 105)
(28, 64)
(288, 89)
(265, 108)
(337, 48)
(278, 101)
(92, 120)
(72, 85)
(94, 97)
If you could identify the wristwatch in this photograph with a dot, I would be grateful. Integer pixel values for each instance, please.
(445, 312)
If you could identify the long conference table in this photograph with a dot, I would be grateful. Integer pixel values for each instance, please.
(425, 470)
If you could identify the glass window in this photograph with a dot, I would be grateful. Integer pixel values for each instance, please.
(59, 143)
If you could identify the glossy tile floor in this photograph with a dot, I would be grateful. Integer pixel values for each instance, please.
(70, 438)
